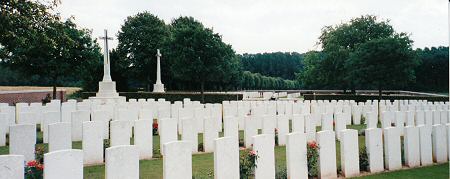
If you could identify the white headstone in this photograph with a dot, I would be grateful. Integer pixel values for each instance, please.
(250, 131)
(372, 120)
(64, 164)
(298, 123)
(264, 145)
(102, 116)
(392, 148)
(59, 136)
(310, 128)
(327, 154)
(92, 142)
(269, 123)
(4, 128)
(177, 160)
(440, 153)
(22, 140)
(122, 162)
(296, 155)
(78, 117)
(143, 138)
(412, 146)
(426, 149)
(226, 158)
(121, 132)
(374, 147)
(349, 152)
(12, 166)
(231, 128)
(327, 122)
(167, 131)
(419, 118)
(210, 134)
(189, 133)
(49, 118)
(283, 128)
(340, 124)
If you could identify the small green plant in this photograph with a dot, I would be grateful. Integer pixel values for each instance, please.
(281, 172)
(276, 136)
(39, 154)
(34, 170)
(247, 163)
(313, 156)
(363, 160)
(200, 147)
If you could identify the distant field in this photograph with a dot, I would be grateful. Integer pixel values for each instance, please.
(69, 90)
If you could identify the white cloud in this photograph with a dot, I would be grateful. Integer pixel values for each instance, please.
(269, 25)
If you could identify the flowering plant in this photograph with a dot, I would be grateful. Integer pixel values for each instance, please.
(34, 170)
(155, 128)
(247, 163)
(312, 155)
(276, 136)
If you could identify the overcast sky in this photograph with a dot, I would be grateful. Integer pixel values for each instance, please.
(253, 26)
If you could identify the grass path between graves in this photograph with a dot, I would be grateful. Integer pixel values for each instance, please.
(203, 164)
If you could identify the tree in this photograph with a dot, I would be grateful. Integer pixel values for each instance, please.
(37, 42)
(198, 55)
(386, 63)
(278, 64)
(432, 73)
(139, 38)
(338, 42)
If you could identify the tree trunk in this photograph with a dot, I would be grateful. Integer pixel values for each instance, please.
(202, 88)
(54, 91)
(380, 93)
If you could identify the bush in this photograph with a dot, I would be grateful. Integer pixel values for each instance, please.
(176, 96)
(34, 170)
(247, 163)
(363, 160)
(313, 156)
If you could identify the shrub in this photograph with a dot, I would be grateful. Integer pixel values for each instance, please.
(39, 154)
(34, 170)
(313, 156)
(363, 160)
(247, 163)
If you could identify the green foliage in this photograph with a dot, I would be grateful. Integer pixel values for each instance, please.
(139, 38)
(176, 96)
(281, 172)
(386, 63)
(363, 98)
(432, 73)
(312, 154)
(247, 163)
(363, 160)
(278, 64)
(251, 80)
(198, 55)
(35, 41)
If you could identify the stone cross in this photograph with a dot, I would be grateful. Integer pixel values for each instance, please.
(106, 62)
(158, 67)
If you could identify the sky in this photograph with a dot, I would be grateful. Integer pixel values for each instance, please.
(257, 26)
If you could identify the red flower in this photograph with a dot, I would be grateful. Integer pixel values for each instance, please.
(312, 145)
(252, 152)
(155, 125)
(32, 163)
(40, 167)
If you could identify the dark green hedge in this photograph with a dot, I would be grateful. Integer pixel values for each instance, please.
(363, 98)
(176, 96)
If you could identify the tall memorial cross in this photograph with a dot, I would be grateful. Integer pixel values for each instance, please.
(158, 86)
(106, 62)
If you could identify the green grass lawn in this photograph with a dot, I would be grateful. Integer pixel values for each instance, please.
(203, 163)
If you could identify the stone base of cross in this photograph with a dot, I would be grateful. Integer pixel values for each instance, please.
(158, 88)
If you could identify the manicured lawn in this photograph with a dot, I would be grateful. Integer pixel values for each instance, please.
(203, 164)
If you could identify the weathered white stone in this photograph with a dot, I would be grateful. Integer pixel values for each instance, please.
(177, 160)
(92, 142)
(310, 128)
(226, 158)
(26, 118)
(49, 118)
(387, 117)
(283, 128)
(122, 162)
(143, 138)
(425, 141)
(167, 131)
(429, 118)
(250, 131)
(269, 123)
(121, 132)
(374, 147)
(264, 145)
(64, 164)
(66, 111)
(412, 146)
(22, 140)
(372, 120)
(296, 155)
(210, 134)
(59, 136)
(436, 117)
(327, 154)
(444, 117)
(78, 117)
(12, 166)
(419, 118)
(190, 133)
(298, 123)
(340, 124)
(440, 154)
(349, 152)
(392, 148)
(356, 114)
(400, 121)
(410, 118)
(231, 129)
(4, 128)
(199, 114)
(104, 117)
(327, 122)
